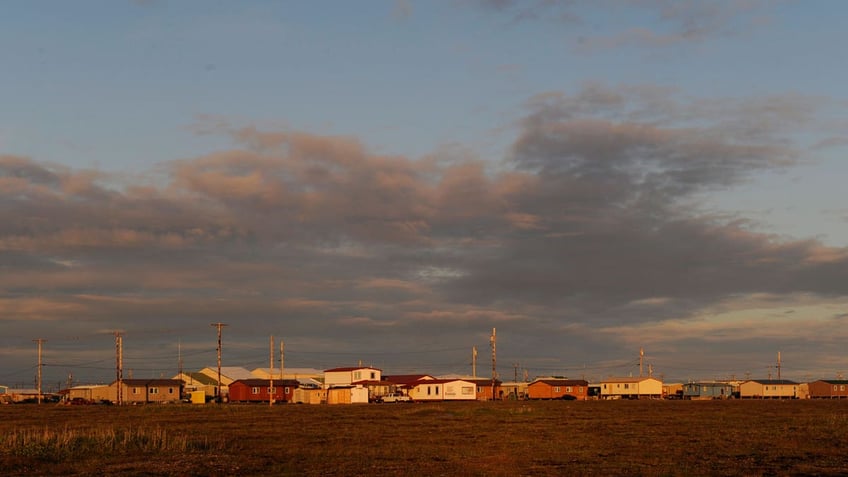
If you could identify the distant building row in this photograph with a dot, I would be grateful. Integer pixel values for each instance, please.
(365, 384)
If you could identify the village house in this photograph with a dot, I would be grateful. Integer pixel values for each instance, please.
(828, 389)
(442, 390)
(707, 390)
(351, 394)
(631, 388)
(289, 373)
(259, 390)
(228, 375)
(350, 375)
(514, 390)
(556, 388)
(144, 391)
(198, 382)
(768, 389)
(91, 393)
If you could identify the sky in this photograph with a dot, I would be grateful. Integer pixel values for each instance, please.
(385, 182)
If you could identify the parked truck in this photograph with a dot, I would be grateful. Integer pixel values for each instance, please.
(395, 397)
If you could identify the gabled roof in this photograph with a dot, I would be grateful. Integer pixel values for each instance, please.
(288, 372)
(257, 382)
(834, 381)
(353, 368)
(406, 378)
(628, 379)
(199, 378)
(150, 382)
(562, 382)
(772, 381)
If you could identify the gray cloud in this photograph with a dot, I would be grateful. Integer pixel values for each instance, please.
(671, 22)
(589, 226)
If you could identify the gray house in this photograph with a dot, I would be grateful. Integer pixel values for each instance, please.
(708, 390)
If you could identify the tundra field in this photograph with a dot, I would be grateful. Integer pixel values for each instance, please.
(472, 438)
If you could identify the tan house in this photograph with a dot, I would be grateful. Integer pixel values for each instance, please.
(768, 389)
(631, 388)
(443, 390)
(228, 375)
(144, 391)
(91, 393)
(196, 381)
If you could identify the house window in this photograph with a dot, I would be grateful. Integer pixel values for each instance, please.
(605, 386)
(428, 390)
(437, 390)
(373, 375)
(479, 389)
(154, 391)
(842, 387)
(286, 390)
(254, 390)
(170, 390)
(568, 389)
(135, 391)
(556, 389)
(272, 390)
(626, 386)
(357, 375)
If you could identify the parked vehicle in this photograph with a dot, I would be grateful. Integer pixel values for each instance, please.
(395, 397)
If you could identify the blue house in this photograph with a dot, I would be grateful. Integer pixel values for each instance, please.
(708, 390)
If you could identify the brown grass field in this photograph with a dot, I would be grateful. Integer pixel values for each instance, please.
(478, 438)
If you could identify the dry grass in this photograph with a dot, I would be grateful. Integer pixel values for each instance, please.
(535, 438)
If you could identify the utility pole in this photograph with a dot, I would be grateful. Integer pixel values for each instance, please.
(515, 371)
(40, 341)
(119, 367)
(778, 365)
(641, 357)
(281, 361)
(219, 325)
(493, 341)
(474, 362)
(271, 373)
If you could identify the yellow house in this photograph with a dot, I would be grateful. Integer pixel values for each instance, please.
(631, 388)
(769, 389)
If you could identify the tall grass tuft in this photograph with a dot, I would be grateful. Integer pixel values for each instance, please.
(62, 444)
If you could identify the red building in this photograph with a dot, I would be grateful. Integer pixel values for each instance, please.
(828, 389)
(256, 390)
(558, 388)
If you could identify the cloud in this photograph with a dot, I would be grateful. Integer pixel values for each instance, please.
(590, 225)
(664, 23)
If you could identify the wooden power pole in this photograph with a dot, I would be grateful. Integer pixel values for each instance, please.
(39, 341)
(220, 326)
(493, 341)
(119, 367)
(271, 373)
